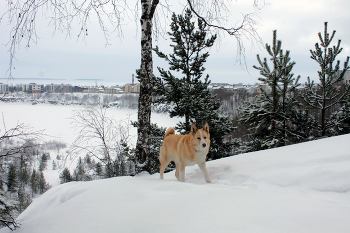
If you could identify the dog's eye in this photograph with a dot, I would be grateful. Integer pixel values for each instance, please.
(205, 137)
(199, 138)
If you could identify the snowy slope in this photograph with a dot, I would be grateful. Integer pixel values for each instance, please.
(298, 188)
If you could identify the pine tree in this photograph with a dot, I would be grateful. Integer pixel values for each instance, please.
(98, 169)
(54, 165)
(156, 136)
(42, 185)
(189, 95)
(24, 199)
(188, 59)
(271, 118)
(34, 181)
(326, 94)
(109, 170)
(43, 162)
(23, 173)
(12, 182)
(341, 119)
(65, 176)
(80, 173)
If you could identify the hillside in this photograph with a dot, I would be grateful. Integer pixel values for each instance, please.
(298, 188)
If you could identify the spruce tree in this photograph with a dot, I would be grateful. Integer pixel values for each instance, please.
(271, 118)
(326, 94)
(189, 95)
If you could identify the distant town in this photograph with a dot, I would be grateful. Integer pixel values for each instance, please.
(127, 88)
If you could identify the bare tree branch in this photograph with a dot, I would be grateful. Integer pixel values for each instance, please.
(24, 135)
(246, 29)
(11, 223)
(62, 15)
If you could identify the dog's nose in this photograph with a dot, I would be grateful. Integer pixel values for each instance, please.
(204, 145)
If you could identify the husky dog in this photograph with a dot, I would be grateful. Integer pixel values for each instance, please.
(185, 150)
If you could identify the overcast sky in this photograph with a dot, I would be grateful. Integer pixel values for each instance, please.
(65, 58)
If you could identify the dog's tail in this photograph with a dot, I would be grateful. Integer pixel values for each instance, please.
(169, 131)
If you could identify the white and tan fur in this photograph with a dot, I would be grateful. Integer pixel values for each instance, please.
(185, 150)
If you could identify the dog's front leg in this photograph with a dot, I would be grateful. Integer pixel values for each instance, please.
(203, 168)
(182, 172)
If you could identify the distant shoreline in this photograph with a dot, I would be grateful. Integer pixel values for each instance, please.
(53, 79)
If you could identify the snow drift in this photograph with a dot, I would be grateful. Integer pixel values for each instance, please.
(298, 188)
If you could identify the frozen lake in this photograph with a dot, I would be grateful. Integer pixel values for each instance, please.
(56, 120)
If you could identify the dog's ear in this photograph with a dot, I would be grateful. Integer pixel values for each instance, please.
(194, 128)
(206, 127)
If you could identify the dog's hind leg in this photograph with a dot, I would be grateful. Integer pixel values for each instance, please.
(177, 171)
(164, 162)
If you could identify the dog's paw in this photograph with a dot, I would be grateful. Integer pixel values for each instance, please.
(208, 180)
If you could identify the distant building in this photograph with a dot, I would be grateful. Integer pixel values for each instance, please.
(78, 89)
(132, 88)
(33, 88)
(4, 88)
(59, 88)
(113, 90)
(93, 90)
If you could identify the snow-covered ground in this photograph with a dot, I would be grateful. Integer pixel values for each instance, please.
(298, 188)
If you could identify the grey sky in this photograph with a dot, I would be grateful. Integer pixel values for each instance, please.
(297, 23)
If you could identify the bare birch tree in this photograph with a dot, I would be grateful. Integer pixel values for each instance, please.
(64, 14)
(99, 135)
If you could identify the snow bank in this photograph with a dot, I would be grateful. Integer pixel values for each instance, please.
(298, 188)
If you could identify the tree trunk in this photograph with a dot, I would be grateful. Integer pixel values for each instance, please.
(323, 113)
(274, 101)
(143, 147)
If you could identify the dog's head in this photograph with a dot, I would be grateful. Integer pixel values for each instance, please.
(200, 138)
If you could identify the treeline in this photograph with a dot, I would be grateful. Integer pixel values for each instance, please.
(108, 100)
(22, 163)
(284, 114)
(88, 169)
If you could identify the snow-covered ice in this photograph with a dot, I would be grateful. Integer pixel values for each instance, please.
(56, 120)
(298, 188)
